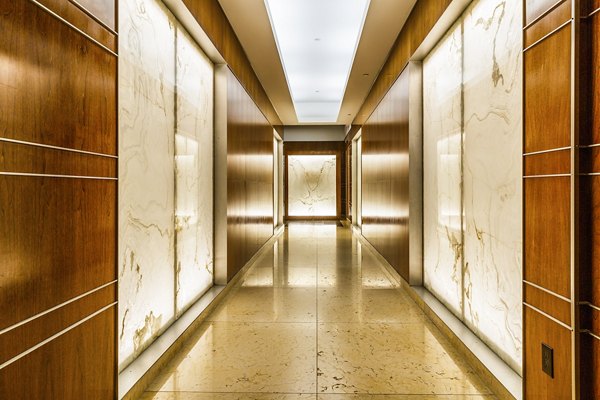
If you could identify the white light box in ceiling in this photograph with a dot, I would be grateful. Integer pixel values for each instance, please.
(317, 41)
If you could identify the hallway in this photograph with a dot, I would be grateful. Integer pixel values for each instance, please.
(317, 314)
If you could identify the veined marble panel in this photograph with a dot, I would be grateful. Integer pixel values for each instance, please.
(146, 178)
(492, 175)
(194, 172)
(312, 185)
(442, 170)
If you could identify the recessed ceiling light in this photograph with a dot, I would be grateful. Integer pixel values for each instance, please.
(299, 27)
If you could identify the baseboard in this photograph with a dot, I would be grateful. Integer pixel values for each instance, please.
(136, 377)
(499, 376)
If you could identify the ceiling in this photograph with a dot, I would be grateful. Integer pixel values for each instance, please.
(251, 24)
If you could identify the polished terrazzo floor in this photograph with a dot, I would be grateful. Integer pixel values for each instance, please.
(318, 317)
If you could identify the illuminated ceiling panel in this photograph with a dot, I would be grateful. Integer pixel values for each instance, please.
(317, 41)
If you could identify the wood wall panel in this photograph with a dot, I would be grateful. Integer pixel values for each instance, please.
(589, 228)
(104, 10)
(590, 378)
(23, 158)
(556, 162)
(213, 21)
(71, 367)
(311, 148)
(58, 88)
(535, 8)
(554, 19)
(551, 305)
(385, 177)
(58, 241)
(538, 385)
(78, 16)
(26, 336)
(249, 177)
(547, 106)
(547, 232)
(418, 25)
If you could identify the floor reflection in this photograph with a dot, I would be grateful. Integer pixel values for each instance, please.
(318, 317)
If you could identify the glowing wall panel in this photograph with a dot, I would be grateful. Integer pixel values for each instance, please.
(194, 173)
(146, 178)
(165, 174)
(312, 185)
(472, 173)
(442, 170)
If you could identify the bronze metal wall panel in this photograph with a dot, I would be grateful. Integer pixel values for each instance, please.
(249, 177)
(385, 176)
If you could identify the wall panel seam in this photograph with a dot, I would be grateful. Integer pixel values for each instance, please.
(103, 178)
(94, 17)
(76, 29)
(547, 291)
(48, 146)
(543, 14)
(58, 306)
(57, 335)
(546, 36)
(547, 176)
(548, 316)
(533, 153)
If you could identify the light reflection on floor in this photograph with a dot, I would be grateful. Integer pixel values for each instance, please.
(318, 317)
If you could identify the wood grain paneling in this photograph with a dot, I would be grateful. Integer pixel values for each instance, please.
(58, 88)
(80, 364)
(590, 78)
(213, 21)
(249, 177)
(589, 239)
(590, 376)
(418, 25)
(535, 8)
(538, 385)
(26, 336)
(104, 10)
(312, 148)
(547, 91)
(58, 241)
(551, 305)
(39, 160)
(74, 14)
(556, 162)
(590, 319)
(550, 22)
(385, 177)
(547, 233)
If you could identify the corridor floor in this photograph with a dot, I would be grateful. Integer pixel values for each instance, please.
(318, 317)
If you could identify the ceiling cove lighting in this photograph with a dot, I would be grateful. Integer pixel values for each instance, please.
(317, 41)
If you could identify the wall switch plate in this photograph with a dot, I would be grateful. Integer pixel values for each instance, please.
(548, 360)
